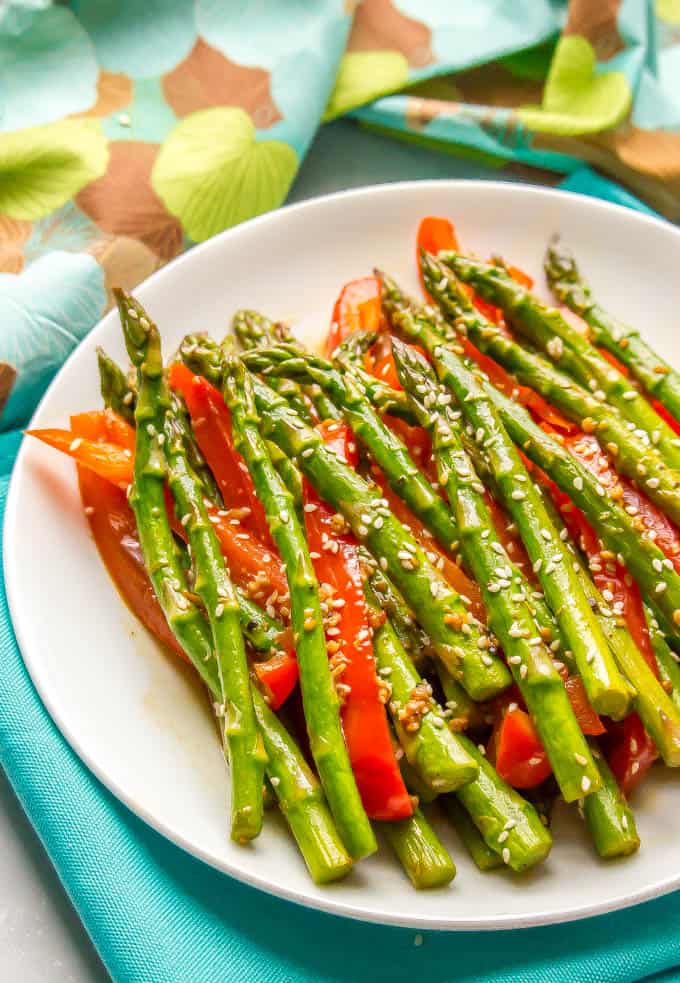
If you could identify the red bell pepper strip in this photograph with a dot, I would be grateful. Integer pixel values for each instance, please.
(109, 461)
(211, 424)
(516, 750)
(359, 307)
(104, 426)
(349, 638)
(586, 717)
(630, 752)
(666, 415)
(114, 531)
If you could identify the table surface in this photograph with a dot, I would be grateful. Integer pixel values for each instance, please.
(41, 936)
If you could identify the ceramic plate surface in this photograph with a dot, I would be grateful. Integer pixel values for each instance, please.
(137, 719)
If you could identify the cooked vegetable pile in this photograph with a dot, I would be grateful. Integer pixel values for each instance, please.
(440, 563)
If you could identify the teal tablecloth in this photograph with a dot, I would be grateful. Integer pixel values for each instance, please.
(158, 916)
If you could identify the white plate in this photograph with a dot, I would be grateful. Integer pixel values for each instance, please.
(136, 718)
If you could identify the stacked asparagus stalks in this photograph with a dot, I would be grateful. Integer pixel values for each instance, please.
(437, 589)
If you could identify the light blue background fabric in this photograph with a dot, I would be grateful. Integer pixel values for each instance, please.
(158, 916)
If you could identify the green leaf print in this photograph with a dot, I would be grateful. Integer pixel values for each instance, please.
(43, 167)
(212, 172)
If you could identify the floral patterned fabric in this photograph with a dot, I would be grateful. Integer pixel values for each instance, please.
(129, 131)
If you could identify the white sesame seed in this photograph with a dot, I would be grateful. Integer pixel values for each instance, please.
(505, 855)
(578, 483)
(585, 783)
(518, 496)
(580, 759)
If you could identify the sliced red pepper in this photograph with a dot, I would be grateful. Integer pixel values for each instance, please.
(359, 307)
(586, 717)
(211, 423)
(109, 461)
(279, 674)
(364, 719)
(666, 415)
(517, 751)
(114, 531)
(519, 276)
(104, 426)
(630, 752)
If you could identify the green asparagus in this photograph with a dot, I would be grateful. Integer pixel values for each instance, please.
(568, 348)
(385, 448)
(421, 853)
(484, 857)
(430, 747)
(632, 456)
(510, 826)
(607, 690)
(653, 373)
(160, 453)
(503, 586)
(321, 703)
(608, 816)
(116, 390)
(455, 635)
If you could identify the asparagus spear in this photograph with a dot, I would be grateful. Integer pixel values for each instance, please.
(301, 799)
(546, 328)
(509, 825)
(116, 390)
(653, 373)
(159, 452)
(666, 659)
(632, 456)
(423, 856)
(430, 747)
(320, 700)
(484, 857)
(607, 690)
(455, 635)
(411, 636)
(608, 816)
(386, 449)
(503, 586)
(256, 331)
(614, 527)
(253, 330)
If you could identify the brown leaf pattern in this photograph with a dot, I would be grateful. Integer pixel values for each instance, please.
(8, 375)
(123, 203)
(126, 262)
(379, 26)
(13, 235)
(206, 79)
(114, 92)
(595, 20)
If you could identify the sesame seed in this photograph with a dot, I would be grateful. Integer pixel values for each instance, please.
(660, 587)
(275, 781)
(75, 444)
(629, 394)
(518, 496)
(505, 855)
(653, 483)
(580, 759)
(585, 783)
(311, 507)
(283, 515)
(219, 610)
(307, 452)
(578, 483)
(127, 398)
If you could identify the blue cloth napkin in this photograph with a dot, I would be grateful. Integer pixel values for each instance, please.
(156, 915)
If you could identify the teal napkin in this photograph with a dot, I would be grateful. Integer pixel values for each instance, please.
(156, 915)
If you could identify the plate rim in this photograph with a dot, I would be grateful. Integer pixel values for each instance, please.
(325, 902)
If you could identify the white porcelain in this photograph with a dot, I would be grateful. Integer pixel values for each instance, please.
(137, 719)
